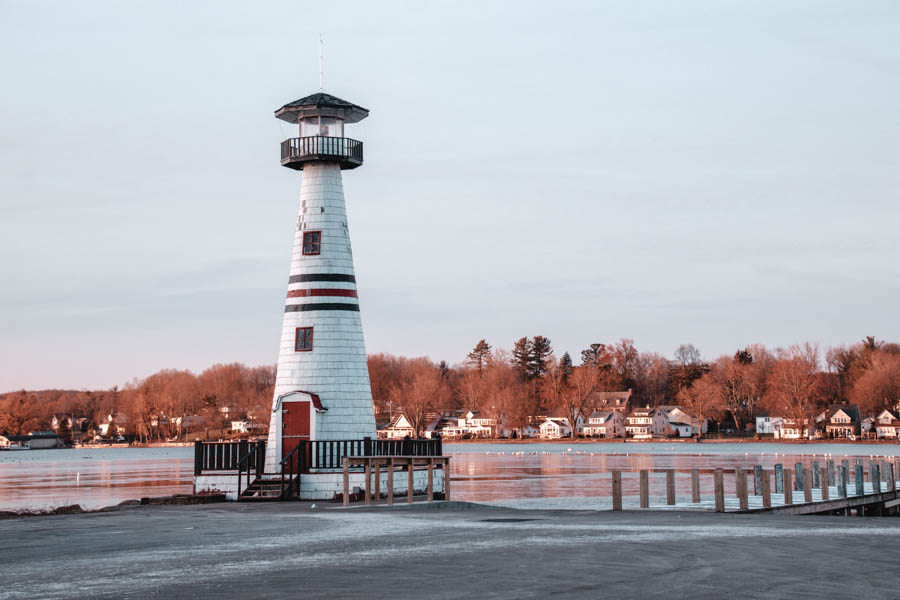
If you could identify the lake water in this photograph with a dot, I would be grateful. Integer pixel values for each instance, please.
(546, 475)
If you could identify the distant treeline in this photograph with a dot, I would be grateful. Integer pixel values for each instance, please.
(510, 385)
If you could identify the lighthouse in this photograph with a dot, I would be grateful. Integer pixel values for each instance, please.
(322, 389)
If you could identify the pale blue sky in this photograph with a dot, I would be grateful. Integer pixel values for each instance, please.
(720, 173)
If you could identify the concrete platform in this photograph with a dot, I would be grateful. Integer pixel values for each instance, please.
(463, 551)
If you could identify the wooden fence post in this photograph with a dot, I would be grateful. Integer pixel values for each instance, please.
(823, 478)
(389, 468)
(368, 490)
(409, 485)
(645, 489)
(719, 484)
(798, 477)
(447, 479)
(377, 476)
(757, 480)
(787, 484)
(695, 486)
(617, 490)
(740, 484)
(346, 481)
(807, 485)
(766, 490)
(670, 487)
(815, 474)
(779, 478)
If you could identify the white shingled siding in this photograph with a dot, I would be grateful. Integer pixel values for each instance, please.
(336, 368)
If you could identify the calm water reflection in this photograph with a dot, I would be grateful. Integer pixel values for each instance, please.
(550, 474)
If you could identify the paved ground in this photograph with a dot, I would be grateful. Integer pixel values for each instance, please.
(294, 551)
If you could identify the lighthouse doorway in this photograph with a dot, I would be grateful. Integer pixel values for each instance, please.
(295, 426)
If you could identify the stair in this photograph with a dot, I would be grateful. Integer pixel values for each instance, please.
(266, 488)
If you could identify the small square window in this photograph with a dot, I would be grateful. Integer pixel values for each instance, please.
(303, 339)
(312, 242)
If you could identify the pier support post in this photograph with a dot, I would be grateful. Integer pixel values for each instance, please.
(798, 477)
(807, 485)
(740, 485)
(766, 490)
(368, 490)
(816, 481)
(823, 478)
(830, 465)
(875, 476)
(779, 478)
(757, 480)
(891, 478)
(409, 484)
(788, 486)
(389, 467)
(670, 487)
(695, 486)
(431, 480)
(719, 485)
(845, 479)
(346, 481)
(447, 479)
(377, 476)
(645, 489)
(858, 479)
(617, 490)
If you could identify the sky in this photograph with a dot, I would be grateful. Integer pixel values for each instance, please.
(717, 173)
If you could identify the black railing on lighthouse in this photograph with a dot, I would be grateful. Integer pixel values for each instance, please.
(248, 457)
(321, 147)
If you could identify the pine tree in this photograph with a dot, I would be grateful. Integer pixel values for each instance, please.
(566, 366)
(522, 358)
(480, 356)
(595, 355)
(64, 431)
(540, 356)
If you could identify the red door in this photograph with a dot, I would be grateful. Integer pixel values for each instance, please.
(294, 427)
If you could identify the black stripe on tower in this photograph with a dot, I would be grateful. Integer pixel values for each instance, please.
(321, 306)
(322, 277)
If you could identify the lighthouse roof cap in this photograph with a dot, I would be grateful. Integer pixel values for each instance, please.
(323, 104)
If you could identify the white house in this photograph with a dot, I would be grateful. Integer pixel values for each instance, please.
(768, 425)
(887, 424)
(680, 423)
(607, 424)
(246, 426)
(558, 427)
(399, 428)
(644, 423)
(793, 429)
(4, 442)
(470, 424)
(529, 431)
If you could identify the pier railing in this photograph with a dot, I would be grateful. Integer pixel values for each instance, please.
(316, 454)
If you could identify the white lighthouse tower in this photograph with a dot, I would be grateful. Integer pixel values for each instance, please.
(322, 389)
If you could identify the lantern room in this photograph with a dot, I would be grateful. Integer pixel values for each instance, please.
(321, 119)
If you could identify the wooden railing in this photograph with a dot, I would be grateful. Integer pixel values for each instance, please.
(220, 456)
(251, 465)
(246, 457)
(321, 147)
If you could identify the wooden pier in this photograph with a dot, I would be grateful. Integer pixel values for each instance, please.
(372, 466)
(828, 488)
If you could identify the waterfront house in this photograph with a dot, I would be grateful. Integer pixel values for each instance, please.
(678, 422)
(794, 429)
(398, 428)
(555, 428)
(767, 425)
(471, 424)
(644, 423)
(529, 431)
(4, 442)
(887, 424)
(606, 424)
(841, 421)
(611, 401)
(246, 426)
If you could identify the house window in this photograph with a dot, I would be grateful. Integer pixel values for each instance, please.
(303, 339)
(312, 242)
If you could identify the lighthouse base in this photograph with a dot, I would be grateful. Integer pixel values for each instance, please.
(322, 486)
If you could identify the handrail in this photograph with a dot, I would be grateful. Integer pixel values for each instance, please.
(301, 467)
(256, 451)
(318, 145)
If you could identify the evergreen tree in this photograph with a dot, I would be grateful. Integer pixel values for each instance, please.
(444, 368)
(480, 356)
(522, 358)
(65, 430)
(595, 355)
(540, 356)
(566, 366)
(743, 357)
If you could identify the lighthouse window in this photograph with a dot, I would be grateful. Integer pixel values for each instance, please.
(303, 339)
(312, 242)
